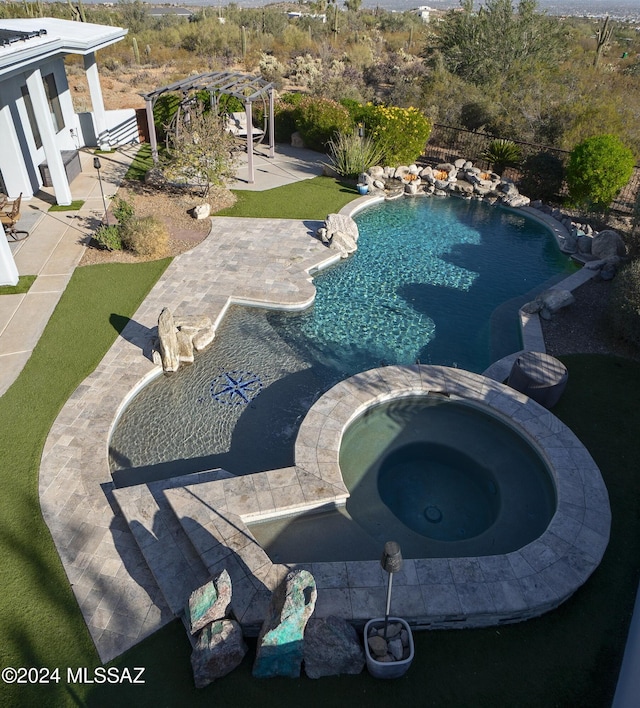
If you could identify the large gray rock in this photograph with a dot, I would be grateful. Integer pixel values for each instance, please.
(168, 340)
(210, 602)
(341, 233)
(331, 647)
(555, 299)
(279, 650)
(219, 649)
(608, 243)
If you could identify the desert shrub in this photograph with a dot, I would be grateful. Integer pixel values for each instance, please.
(349, 154)
(501, 154)
(542, 176)
(146, 236)
(108, 237)
(319, 119)
(400, 133)
(122, 210)
(598, 168)
(624, 303)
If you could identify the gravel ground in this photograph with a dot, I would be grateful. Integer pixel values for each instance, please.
(173, 208)
(582, 328)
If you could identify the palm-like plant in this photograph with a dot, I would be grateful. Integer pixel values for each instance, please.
(501, 154)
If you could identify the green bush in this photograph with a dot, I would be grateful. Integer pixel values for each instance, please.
(108, 237)
(349, 154)
(542, 176)
(400, 133)
(146, 236)
(598, 168)
(319, 119)
(122, 210)
(284, 113)
(624, 303)
(501, 154)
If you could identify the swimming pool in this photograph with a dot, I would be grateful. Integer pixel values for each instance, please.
(433, 280)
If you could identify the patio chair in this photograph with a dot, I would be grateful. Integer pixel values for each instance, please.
(237, 125)
(9, 216)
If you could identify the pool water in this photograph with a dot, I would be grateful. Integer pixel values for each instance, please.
(442, 477)
(434, 280)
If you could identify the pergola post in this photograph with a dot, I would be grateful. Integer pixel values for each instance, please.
(272, 128)
(247, 107)
(152, 129)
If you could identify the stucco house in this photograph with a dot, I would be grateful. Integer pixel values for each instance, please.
(40, 132)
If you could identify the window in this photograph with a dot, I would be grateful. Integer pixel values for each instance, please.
(51, 90)
(31, 115)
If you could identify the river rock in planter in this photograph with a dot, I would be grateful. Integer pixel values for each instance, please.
(331, 647)
(279, 649)
(219, 649)
(168, 341)
(608, 243)
(209, 603)
(395, 647)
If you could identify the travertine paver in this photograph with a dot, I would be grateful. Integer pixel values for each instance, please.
(264, 262)
(267, 262)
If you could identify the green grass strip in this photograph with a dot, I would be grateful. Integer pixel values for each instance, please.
(40, 623)
(307, 199)
(24, 283)
(141, 164)
(75, 205)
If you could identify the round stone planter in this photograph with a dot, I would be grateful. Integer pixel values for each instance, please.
(387, 669)
(363, 188)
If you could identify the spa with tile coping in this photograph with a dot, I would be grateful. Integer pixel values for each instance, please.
(436, 593)
(119, 546)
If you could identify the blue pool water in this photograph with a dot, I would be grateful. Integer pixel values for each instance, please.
(427, 283)
(434, 280)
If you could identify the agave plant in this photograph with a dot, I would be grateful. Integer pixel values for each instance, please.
(502, 154)
(350, 154)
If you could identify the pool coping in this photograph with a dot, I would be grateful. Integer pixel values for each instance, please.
(266, 262)
(429, 592)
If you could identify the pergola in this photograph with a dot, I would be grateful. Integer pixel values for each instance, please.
(242, 86)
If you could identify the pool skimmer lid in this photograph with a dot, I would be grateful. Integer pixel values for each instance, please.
(235, 388)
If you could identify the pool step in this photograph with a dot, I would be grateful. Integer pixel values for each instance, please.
(224, 542)
(171, 557)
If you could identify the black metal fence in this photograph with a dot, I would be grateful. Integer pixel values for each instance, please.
(448, 144)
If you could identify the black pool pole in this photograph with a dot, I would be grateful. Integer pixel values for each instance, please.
(392, 563)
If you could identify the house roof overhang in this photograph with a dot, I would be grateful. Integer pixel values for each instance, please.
(59, 37)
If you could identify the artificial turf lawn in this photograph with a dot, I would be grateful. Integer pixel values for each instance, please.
(307, 199)
(39, 620)
(24, 284)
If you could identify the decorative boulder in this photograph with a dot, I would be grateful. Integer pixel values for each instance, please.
(296, 140)
(341, 233)
(331, 647)
(202, 211)
(210, 602)
(376, 172)
(168, 339)
(179, 336)
(608, 243)
(555, 299)
(219, 649)
(279, 650)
